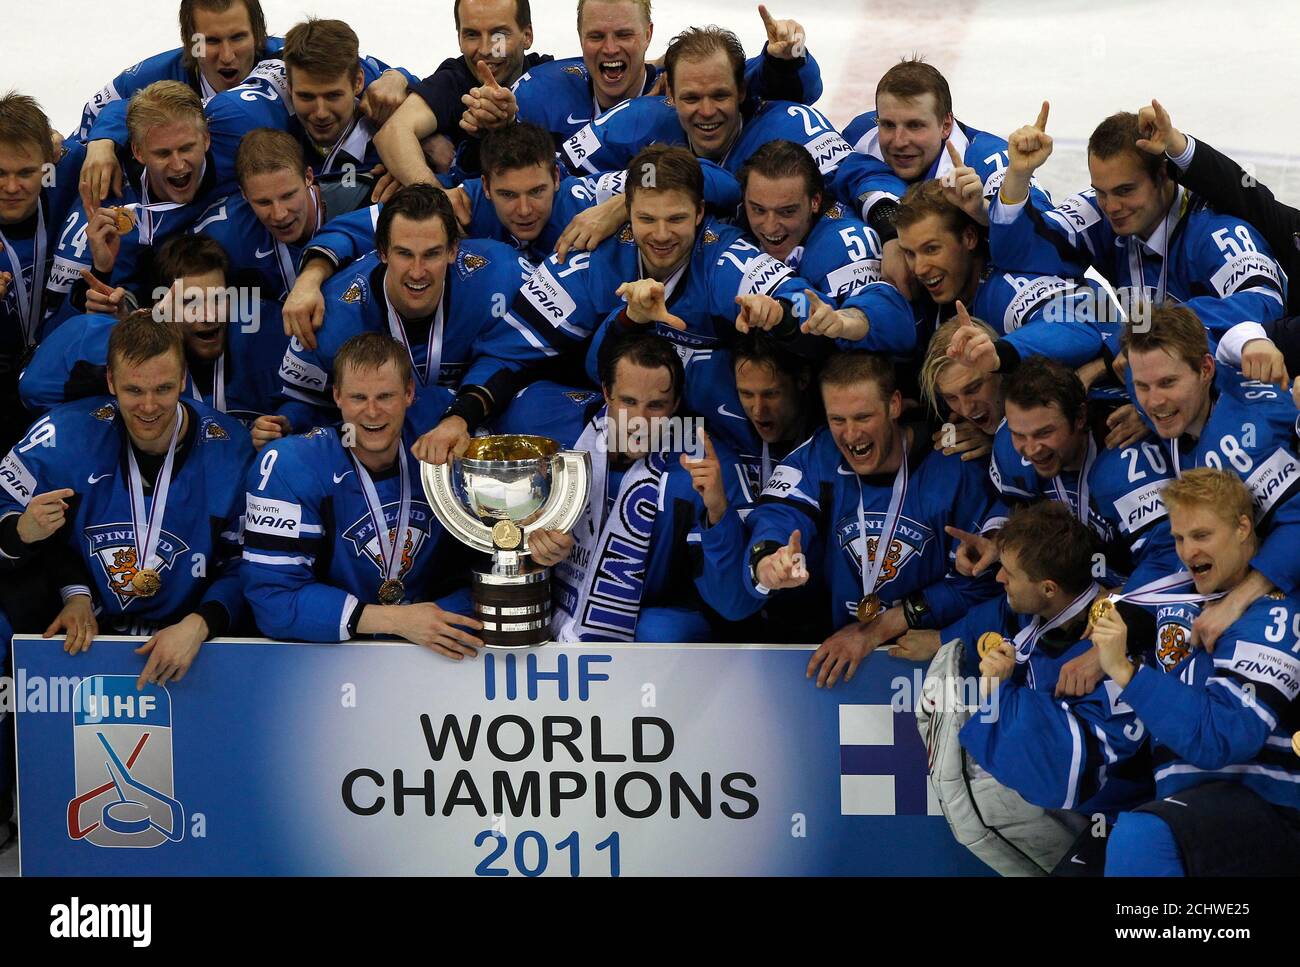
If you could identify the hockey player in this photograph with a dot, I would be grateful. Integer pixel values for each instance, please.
(221, 42)
(1081, 753)
(322, 111)
(339, 541)
(1227, 779)
(706, 112)
(634, 564)
(143, 488)
(494, 37)
(232, 340)
(691, 278)
(267, 227)
(789, 215)
(1050, 447)
(967, 398)
(911, 137)
(169, 182)
(946, 252)
(563, 96)
(36, 191)
(440, 296)
(773, 386)
(1154, 241)
(870, 501)
(1210, 416)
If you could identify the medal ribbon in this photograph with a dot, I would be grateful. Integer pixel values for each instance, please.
(871, 569)
(145, 207)
(29, 299)
(1082, 511)
(390, 551)
(433, 352)
(146, 528)
(1029, 635)
(1157, 592)
(218, 384)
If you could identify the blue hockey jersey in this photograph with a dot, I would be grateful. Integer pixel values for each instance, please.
(1251, 430)
(676, 568)
(167, 66)
(611, 141)
(82, 446)
(558, 94)
(1125, 508)
(264, 101)
(256, 256)
(866, 178)
(815, 492)
(1216, 265)
(70, 365)
(475, 293)
(1077, 753)
(312, 555)
(1228, 717)
(27, 253)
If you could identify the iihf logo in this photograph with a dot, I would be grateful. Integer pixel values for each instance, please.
(122, 742)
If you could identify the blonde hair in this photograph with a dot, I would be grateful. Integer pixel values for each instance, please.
(1220, 491)
(162, 102)
(937, 359)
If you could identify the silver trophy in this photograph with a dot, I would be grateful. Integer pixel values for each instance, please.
(492, 499)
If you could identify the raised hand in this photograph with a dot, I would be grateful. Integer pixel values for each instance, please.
(1159, 136)
(785, 38)
(268, 427)
(975, 552)
(706, 478)
(962, 186)
(44, 515)
(971, 345)
(646, 305)
(784, 567)
(825, 320)
(758, 312)
(1030, 146)
(1124, 428)
(487, 106)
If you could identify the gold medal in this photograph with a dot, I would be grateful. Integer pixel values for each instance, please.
(1099, 610)
(869, 609)
(506, 535)
(391, 592)
(1295, 743)
(146, 582)
(987, 642)
(123, 220)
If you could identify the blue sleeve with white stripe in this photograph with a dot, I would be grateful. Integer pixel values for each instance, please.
(283, 535)
(1054, 753)
(1231, 260)
(891, 323)
(1053, 242)
(345, 238)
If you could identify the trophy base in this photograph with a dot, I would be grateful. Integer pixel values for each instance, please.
(515, 609)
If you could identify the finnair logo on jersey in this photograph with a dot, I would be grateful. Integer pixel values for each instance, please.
(122, 746)
(883, 764)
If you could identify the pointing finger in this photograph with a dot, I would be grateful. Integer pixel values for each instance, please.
(1041, 123)
(768, 23)
(957, 160)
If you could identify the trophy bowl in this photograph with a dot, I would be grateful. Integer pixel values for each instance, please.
(491, 498)
(505, 477)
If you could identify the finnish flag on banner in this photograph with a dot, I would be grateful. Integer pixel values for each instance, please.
(883, 764)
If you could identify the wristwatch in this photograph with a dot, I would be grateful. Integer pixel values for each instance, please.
(759, 551)
(916, 610)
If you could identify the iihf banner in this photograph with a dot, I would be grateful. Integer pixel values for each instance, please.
(378, 758)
